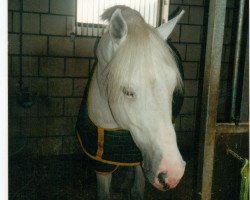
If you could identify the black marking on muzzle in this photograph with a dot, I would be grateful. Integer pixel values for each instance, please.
(161, 177)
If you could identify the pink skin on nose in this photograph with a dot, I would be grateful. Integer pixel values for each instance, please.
(174, 174)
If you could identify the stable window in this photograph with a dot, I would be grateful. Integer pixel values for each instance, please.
(88, 13)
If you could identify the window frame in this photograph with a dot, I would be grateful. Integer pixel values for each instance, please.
(96, 30)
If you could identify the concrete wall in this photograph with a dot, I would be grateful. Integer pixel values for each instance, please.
(57, 68)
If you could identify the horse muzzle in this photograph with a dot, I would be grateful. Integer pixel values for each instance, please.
(167, 179)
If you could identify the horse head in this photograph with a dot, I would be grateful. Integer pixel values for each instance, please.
(133, 89)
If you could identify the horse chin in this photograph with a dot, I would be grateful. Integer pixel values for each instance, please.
(161, 182)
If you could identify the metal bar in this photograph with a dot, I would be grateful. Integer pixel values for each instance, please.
(231, 128)
(235, 155)
(244, 108)
(217, 12)
(165, 11)
(237, 61)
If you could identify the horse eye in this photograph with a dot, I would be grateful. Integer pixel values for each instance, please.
(128, 93)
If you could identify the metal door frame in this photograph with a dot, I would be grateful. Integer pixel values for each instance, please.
(209, 125)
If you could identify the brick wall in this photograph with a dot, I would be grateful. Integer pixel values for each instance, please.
(57, 68)
(188, 39)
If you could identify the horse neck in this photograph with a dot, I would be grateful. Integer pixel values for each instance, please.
(98, 108)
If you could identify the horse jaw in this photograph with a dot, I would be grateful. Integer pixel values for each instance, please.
(166, 29)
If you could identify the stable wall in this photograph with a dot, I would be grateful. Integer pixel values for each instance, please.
(57, 68)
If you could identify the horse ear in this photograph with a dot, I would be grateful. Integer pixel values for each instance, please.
(166, 29)
(118, 27)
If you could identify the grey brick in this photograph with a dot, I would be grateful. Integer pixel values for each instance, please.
(70, 25)
(14, 4)
(16, 22)
(31, 23)
(30, 66)
(77, 67)
(13, 86)
(33, 127)
(50, 106)
(15, 65)
(190, 33)
(53, 25)
(34, 44)
(14, 128)
(60, 87)
(193, 52)
(191, 88)
(31, 147)
(49, 146)
(190, 70)
(15, 110)
(72, 106)
(36, 5)
(60, 46)
(196, 15)
(61, 126)
(10, 21)
(188, 123)
(14, 44)
(36, 84)
(16, 146)
(9, 66)
(85, 47)
(71, 145)
(79, 87)
(65, 7)
(188, 106)
(52, 66)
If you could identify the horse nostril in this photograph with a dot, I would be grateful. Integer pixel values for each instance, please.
(161, 177)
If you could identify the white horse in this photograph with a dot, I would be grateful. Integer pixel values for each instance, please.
(132, 89)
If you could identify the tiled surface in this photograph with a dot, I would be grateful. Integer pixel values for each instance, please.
(31, 23)
(60, 46)
(34, 45)
(36, 5)
(53, 25)
(50, 66)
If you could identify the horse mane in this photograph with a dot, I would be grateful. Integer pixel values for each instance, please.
(143, 54)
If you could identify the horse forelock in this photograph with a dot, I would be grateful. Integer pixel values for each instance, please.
(143, 55)
(128, 13)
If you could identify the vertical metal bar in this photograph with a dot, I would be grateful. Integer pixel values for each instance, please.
(217, 11)
(237, 60)
(154, 14)
(165, 11)
(93, 13)
(244, 110)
